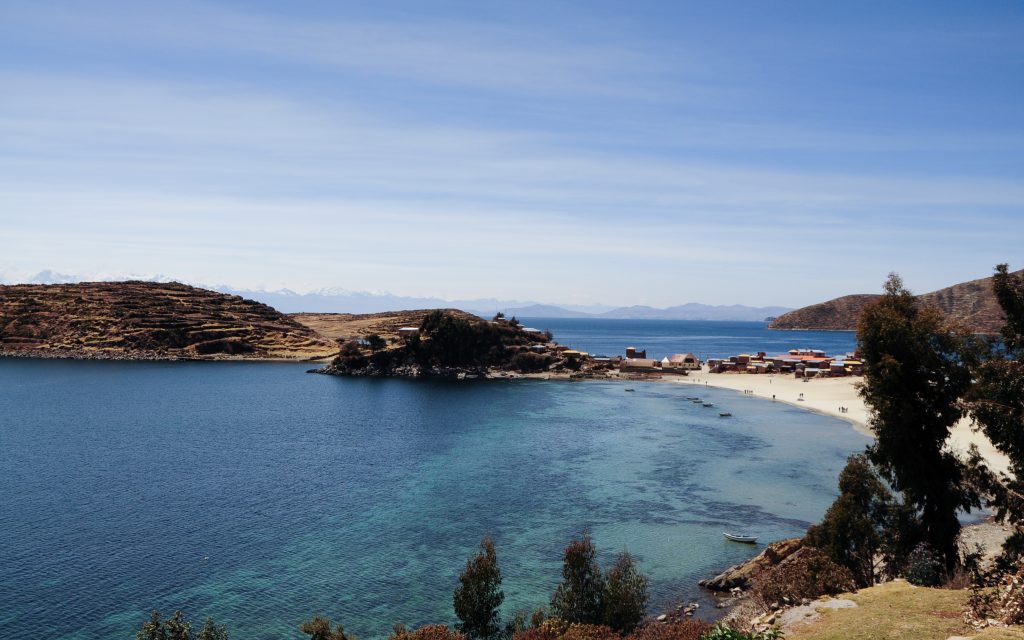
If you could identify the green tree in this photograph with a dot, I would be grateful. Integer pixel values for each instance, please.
(478, 596)
(915, 371)
(579, 597)
(625, 595)
(178, 628)
(319, 628)
(375, 342)
(853, 529)
(152, 629)
(997, 406)
(212, 631)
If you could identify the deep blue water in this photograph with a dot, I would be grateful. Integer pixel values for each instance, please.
(259, 495)
(704, 339)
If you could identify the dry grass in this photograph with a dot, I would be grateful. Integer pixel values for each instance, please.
(898, 610)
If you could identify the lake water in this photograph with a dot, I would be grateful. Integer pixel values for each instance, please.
(705, 339)
(260, 495)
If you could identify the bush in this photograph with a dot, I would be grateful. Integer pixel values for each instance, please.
(686, 630)
(723, 632)
(924, 568)
(427, 632)
(557, 629)
(808, 573)
(526, 362)
(319, 628)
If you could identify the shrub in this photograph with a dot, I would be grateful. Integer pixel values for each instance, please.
(808, 573)
(685, 630)
(589, 632)
(723, 632)
(319, 628)
(427, 632)
(526, 362)
(924, 568)
(549, 629)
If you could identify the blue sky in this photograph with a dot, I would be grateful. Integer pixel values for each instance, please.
(626, 153)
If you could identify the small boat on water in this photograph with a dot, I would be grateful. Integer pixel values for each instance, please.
(696, 400)
(708, 404)
(630, 389)
(740, 538)
(725, 414)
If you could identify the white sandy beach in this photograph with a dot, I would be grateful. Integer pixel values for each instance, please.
(827, 395)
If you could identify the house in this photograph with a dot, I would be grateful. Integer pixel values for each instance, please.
(408, 332)
(631, 352)
(684, 361)
(640, 364)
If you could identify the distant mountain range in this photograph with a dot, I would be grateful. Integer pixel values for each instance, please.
(345, 301)
(689, 311)
(972, 304)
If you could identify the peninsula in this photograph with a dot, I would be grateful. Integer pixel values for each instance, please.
(148, 321)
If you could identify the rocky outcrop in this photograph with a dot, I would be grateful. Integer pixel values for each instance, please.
(147, 320)
(740, 576)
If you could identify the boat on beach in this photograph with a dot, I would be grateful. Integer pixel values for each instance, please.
(740, 538)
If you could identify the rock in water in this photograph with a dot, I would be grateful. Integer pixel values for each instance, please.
(740, 576)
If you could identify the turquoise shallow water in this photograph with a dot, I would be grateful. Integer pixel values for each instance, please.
(259, 495)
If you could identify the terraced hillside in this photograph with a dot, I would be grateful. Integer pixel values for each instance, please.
(972, 304)
(349, 326)
(147, 320)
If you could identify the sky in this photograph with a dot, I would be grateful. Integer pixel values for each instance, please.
(763, 153)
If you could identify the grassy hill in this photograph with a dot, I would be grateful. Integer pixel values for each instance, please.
(970, 303)
(147, 320)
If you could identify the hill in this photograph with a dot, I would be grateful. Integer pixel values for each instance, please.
(352, 326)
(147, 320)
(972, 304)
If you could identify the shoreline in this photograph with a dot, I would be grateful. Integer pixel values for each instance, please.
(825, 396)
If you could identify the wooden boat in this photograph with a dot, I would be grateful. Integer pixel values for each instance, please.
(739, 538)
(725, 414)
(708, 404)
(630, 389)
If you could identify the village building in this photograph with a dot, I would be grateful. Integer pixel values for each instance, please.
(640, 365)
(686, 361)
(408, 332)
(631, 352)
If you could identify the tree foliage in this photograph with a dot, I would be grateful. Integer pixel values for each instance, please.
(579, 598)
(625, 595)
(916, 370)
(319, 628)
(854, 528)
(177, 627)
(997, 406)
(478, 596)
